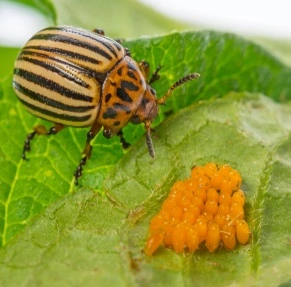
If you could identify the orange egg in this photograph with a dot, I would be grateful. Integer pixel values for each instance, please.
(201, 227)
(216, 181)
(178, 238)
(204, 182)
(212, 237)
(192, 239)
(168, 235)
(211, 207)
(169, 203)
(224, 198)
(220, 219)
(212, 194)
(184, 201)
(236, 180)
(201, 193)
(153, 243)
(178, 185)
(224, 170)
(223, 209)
(191, 215)
(238, 197)
(226, 187)
(197, 201)
(210, 169)
(157, 222)
(206, 216)
(177, 212)
(236, 211)
(242, 231)
(228, 236)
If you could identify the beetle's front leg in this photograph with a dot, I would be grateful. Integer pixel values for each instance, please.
(155, 76)
(39, 130)
(123, 141)
(145, 68)
(87, 150)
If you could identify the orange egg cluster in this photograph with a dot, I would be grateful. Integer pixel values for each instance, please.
(206, 207)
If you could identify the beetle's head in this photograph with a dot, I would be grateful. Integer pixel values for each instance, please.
(148, 108)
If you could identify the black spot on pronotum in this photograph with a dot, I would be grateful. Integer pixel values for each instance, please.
(119, 71)
(107, 98)
(129, 86)
(131, 75)
(122, 107)
(123, 95)
(110, 114)
(116, 124)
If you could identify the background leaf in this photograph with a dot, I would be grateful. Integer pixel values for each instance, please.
(83, 238)
(117, 18)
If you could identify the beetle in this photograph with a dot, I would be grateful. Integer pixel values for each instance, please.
(79, 78)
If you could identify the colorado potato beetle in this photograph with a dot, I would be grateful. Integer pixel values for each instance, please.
(78, 78)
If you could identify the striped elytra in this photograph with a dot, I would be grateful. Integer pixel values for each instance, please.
(59, 73)
(73, 77)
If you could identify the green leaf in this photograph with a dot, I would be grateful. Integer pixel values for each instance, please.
(8, 55)
(117, 18)
(226, 62)
(84, 239)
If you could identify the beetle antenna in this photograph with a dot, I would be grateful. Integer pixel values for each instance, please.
(149, 139)
(180, 82)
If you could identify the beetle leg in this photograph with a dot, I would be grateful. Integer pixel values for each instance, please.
(145, 68)
(39, 130)
(100, 32)
(87, 150)
(155, 76)
(149, 139)
(123, 141)
(127, 52)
